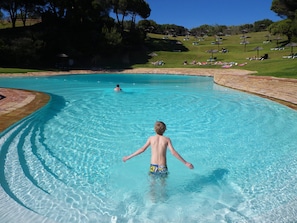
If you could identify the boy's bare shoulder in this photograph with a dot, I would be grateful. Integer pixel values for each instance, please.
(165, 139)
(159, 137)
(151, 137)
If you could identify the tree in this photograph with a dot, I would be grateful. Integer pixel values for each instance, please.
(55, 7)
(262, 25)
(283, 27)
(112, 37)
(132, 8)
(202, 30)
(28, 7)
(219, 30)
(246, 28)
(140, 8)
(147, 25)
(12, 7)
(173, 30)
(284, 8)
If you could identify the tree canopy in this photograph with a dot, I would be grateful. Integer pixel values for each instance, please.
(286, 9)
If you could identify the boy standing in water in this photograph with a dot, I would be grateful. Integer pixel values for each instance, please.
(159, 145)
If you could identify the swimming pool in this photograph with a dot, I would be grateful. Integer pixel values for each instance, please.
(64, 162)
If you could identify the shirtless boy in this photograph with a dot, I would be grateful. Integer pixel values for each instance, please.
(159, 145)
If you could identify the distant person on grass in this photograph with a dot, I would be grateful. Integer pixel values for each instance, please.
(159, 144)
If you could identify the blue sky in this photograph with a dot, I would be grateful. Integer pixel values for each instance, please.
(194, 13)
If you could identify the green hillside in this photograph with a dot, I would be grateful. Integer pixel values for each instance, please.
(175, 50)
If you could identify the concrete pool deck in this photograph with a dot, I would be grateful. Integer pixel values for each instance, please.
(17, 104)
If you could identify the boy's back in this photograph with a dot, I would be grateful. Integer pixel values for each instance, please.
(159, 145)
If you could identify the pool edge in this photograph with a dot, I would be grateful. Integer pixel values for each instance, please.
(25, 108)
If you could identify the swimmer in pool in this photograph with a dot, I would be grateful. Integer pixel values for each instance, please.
(117, 88)
(159, 145)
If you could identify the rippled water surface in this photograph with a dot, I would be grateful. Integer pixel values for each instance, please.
(64, 162)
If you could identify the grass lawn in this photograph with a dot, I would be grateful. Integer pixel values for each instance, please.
(238, 53)
(17, 70)
(6, 24)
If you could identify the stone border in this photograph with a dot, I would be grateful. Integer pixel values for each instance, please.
(18, 104)
(182, 71)
(281, 90)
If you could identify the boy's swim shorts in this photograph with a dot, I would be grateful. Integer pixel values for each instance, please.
(156, 169)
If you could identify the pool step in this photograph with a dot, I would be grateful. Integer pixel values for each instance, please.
(39, 181)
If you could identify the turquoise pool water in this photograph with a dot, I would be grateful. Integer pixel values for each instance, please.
(64, 162)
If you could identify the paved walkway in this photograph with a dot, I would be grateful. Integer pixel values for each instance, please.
(17, 104)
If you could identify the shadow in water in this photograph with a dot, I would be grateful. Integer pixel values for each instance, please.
(216, 179)
(199, 182)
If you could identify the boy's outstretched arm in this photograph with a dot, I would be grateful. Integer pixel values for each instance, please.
(137, 152)
(178, 156)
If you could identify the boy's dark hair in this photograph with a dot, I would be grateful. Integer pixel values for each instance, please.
(160, 127)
